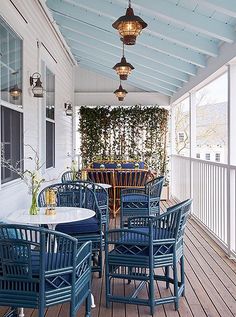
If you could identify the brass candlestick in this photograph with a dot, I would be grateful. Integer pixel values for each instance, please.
(50, 202)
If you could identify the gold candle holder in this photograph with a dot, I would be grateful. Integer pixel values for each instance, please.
(50, 202)
(84, 175)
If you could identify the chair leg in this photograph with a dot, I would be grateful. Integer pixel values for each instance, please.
(151, 292)
(182, 274)
(167, 276)
(41, 311)
(88, 306)
(175, 275)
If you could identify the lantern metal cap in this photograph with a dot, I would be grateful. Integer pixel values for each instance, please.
(123, 63)
(129, 17)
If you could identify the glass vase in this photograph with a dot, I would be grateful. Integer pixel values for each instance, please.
(34, 209)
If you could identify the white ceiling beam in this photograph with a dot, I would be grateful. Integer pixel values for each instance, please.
(187, 18)
(227, 7)
(155, 27)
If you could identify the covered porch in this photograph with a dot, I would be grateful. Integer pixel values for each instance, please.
(185, 62)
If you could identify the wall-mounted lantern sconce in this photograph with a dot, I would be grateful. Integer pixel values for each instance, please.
(68, 108)
(15, 91)
(37, 85)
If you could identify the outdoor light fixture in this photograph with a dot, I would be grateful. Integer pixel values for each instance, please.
(15, 91)
(68, 108)
(37, 85)
(123, 68)
(129, 26)
(120, 93)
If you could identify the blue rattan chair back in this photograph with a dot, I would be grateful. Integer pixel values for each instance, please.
(40, 268)
(70, 176)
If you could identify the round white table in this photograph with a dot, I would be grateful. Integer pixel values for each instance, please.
(63, 215)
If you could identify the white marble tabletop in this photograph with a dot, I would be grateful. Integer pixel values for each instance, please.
(63, 215)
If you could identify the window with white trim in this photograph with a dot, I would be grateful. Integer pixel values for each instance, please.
(208, 156)
(11, 116)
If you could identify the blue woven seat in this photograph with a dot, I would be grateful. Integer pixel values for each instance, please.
(76, 194)
(141, 201)
(90, 225)
(148, 243)
(40, 268)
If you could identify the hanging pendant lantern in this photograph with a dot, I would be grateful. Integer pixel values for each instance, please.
(123, 68)
(120, 93)
(129, 26)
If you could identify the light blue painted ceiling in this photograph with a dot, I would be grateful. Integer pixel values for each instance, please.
(180, 37)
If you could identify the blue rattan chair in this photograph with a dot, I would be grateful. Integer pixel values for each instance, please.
(40, 268)
(79, 195)
(102, 198)
(141, 201)
(149, 243)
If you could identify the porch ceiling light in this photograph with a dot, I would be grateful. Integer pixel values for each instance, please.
(15, 91)
(129, 26)
(123, 68)
(120, 93)
(37, 85)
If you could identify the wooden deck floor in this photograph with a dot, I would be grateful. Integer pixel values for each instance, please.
(210, 285)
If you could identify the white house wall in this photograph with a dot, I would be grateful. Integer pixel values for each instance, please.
(14, 195)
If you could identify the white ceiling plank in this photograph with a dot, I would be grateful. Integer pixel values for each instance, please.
(227, 7)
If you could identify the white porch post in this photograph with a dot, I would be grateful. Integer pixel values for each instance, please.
(192, 138)
(231, 158)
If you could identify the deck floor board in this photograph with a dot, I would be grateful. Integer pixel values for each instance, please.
(210, 284)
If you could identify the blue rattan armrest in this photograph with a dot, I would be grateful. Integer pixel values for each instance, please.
(83, 253)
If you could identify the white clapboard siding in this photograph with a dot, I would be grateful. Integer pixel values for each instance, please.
(14, 195)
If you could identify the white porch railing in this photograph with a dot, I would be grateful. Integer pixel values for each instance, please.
(212, 187)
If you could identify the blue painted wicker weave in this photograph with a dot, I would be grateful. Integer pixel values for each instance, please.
(79, 195)
(141, 201)
(148, 243)
(40, 268)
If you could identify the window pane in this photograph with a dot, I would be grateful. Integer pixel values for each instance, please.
(211, 119)
(11, 140)
(50, 144)
(10, 62)
(50, 94)
(181, 119)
